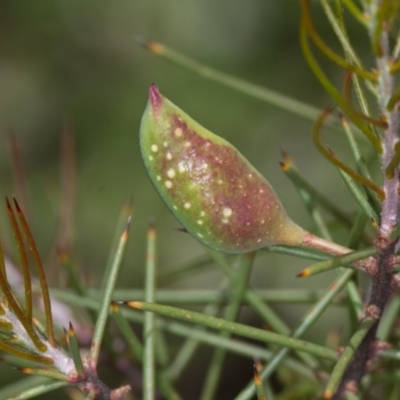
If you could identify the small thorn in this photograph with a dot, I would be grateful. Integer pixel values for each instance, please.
(26, 370)
(287, 160)
(115, 306)
(327, 395)
(154, 47)
(303, 274)
(125, 233)
(128, 222)
(133, 304)
(258, 364)
(284, 166)
(17, 207)
(181, 230)
(71, 330)
(257, 379)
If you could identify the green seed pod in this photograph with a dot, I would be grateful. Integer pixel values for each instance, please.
(215, 193)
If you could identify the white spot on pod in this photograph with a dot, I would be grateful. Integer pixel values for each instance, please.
(188, 144)
(171, 173)
(258, 240)
(224, 221)
(250, 175)
(202, 214)
(200, 222)
(262, 222)
(175, 207)
(158, 177)
(165, 144)
(154, 148)
(178, 132)
(168, 184)
(151, 158)
(169, 156)
(187, 205)
(181, 167)
(227, 212)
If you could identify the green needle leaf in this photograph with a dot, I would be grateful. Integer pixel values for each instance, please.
(346, 356)
(149, 332)
(339, 261)
(235, 328)
(38, 390)
(255, 91)
(74, 349)
(112, 275)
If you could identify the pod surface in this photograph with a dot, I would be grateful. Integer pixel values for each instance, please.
(215, 193)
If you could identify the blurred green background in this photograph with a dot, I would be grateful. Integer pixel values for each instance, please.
(79, 59)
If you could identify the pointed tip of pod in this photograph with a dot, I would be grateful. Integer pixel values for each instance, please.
(155, 96)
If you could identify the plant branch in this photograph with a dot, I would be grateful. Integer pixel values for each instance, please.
(383, 285)
(389, 217)
(383, 282)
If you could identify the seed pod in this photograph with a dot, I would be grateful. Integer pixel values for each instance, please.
(215, 193)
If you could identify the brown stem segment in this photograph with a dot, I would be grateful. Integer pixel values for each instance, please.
(383, 285)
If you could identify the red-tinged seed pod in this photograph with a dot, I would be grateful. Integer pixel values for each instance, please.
(215, 193)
